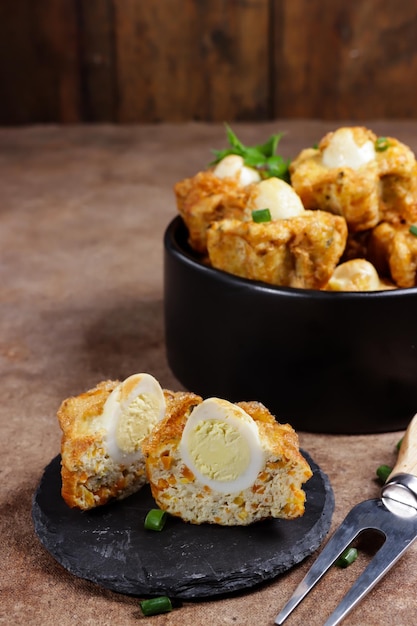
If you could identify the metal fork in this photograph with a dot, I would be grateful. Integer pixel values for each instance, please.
(393, 515)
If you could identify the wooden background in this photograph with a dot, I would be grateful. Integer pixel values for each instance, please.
(132, 61)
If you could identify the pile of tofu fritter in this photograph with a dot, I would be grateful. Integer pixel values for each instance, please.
(345, 221)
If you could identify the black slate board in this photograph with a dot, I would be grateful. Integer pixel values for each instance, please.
(110, 547)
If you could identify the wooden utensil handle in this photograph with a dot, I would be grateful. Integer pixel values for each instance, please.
(407, 456)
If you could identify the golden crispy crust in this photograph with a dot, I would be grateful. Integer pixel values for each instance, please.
(399, 197)
(282, 438)
(397, 160)
(204, 199)
(76, 413)
(78, 446)
(179, 406)
(275, 493)
(342, 191)
(393, 251)
(302, 251)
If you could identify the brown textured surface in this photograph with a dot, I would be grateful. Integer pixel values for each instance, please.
(82, 215)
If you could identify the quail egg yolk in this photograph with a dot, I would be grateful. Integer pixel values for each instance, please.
(136, 421)
(220, 445)
(130, 413)
(343, 151)
(219, 450)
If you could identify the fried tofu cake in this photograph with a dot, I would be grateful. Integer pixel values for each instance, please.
(354, 173)
(214, 194)
(399, 197)
(102, 433)
(301, 251)
(393, 250)
(216, 462)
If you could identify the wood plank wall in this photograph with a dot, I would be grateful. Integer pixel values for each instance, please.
(133, 61)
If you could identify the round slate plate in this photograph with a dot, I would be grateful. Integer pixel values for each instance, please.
(110, 547)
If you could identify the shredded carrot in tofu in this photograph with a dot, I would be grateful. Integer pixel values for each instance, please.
(187, 473)
(166, 460)
(162, 484)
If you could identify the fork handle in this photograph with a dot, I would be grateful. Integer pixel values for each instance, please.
(407, 456)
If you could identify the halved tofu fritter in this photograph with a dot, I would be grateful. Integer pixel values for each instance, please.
(102, 432)
(222, 493)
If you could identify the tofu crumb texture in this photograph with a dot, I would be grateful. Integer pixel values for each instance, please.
(216, 462)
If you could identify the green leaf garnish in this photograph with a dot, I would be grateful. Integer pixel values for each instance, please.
(261, 157)
(413, 230)
(277, 166)
(270, 146)
(233, 140)
(253, 157)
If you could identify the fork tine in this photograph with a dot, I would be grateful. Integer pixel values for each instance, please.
(342, 537)
(383, 560)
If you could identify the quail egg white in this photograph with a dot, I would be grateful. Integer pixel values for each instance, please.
(220, 444)
(130, 412)
(277, 196)
(233, 166)
(344, 151)
(354, 275)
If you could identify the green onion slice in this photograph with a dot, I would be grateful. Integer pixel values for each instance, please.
(155, 519)
(347, 557)
(413, 229)
(382, 144)
(398, 446)
(383, 472)
(153, 606)
(261, 215)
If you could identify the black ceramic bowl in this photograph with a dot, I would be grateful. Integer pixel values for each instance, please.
(322, 361)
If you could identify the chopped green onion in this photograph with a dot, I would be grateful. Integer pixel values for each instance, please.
(155, 519)
(153, 606)
(413, 230)
(347, 557)
(382, 144)
(398, 446)
(383, 472)
(261, 215)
